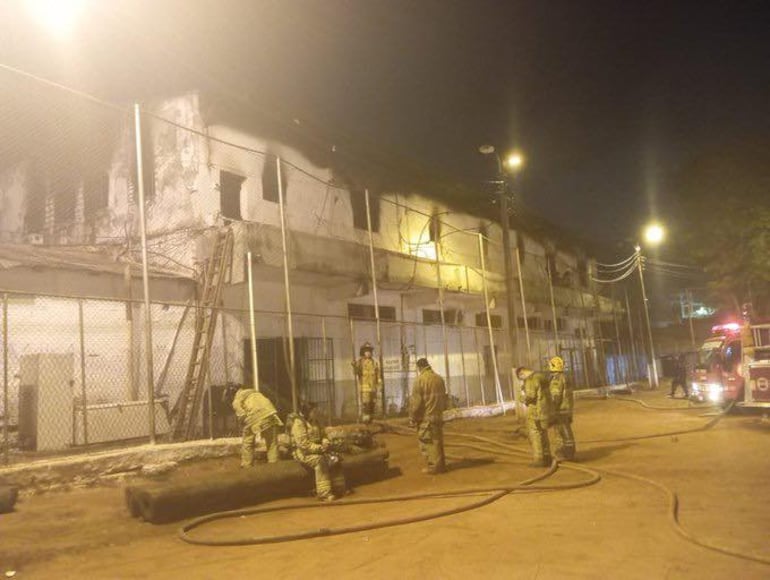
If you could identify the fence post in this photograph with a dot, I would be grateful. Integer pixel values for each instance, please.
(83, 395)
(462, 364)
(6, 443)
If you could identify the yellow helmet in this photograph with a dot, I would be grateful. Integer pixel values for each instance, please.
(556, 365)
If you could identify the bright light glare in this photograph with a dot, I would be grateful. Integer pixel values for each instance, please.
(514, 161)
(654, 234)
(58, 16)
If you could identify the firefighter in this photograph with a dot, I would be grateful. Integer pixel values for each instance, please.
(426, 414)
(537, 396)
(563, 403)
(311, 449)
(680, 377)
(258, 417)
(367, 371)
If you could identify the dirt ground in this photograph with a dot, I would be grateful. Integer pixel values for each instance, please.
(618, 528)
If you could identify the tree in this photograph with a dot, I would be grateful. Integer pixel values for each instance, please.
(724, 200)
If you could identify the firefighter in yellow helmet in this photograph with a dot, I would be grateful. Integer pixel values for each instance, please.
(563, 404)
(368, 374)
(537, 397)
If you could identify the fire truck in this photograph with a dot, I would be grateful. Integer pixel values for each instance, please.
(734, 356)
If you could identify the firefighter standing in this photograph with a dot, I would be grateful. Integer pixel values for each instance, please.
(368, 374)
(537, 396)
(426, 414)
(563, 402)
(258, 418)
(310, 448)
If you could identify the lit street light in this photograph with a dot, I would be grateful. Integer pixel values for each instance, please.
(653, 235)
(58, 16)
(514, 162)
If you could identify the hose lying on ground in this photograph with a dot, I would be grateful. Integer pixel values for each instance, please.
(495, 493)
(689, 407)
(671, 496)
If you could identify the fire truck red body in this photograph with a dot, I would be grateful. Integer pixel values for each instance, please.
(733, 365)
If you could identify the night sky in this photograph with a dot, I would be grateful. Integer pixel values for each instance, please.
(608, 100)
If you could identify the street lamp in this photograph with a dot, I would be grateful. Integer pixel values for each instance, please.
(653, 235)
(58, 16)
(513, 162)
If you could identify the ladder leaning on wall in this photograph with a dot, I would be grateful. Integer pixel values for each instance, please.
(187, 407)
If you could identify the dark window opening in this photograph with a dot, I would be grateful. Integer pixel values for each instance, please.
(366, 312)
(451, 316)
(230, 195)
(548, 324)
(34, 218)
(435, 228)
(583, 273)
(65, 204)
(551, 265)
(358, 203)
(481, 320)
(270, 180)
(96, 194)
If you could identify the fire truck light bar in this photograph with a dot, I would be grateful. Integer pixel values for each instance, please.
(729, 327)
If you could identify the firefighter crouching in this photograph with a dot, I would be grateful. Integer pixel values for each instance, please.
(258, 417)
(537, 396)
(367, 372)
(563, 404)
(313, 451)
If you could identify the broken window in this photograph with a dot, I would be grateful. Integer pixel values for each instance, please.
(451, 316)
(366, 312)
(65, 198)
(270, 180)
(230, 195)
(358, 203)
(435, 228)
(96, 194)
(34, 218)
(481, 320)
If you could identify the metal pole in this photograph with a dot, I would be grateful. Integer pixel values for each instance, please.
(617, 336)
(553, 304)
(479, 363)
(462, 364)
(443, 319)
(498, 387)
(224, 348)
(325, 354)
(654, 368)
(132, 391)
(689, 317)
(376, 301)
(6, 412)
(83, 372)
(253, 325)
(631, 341)
(289, 323)
(584, 340)
(355, 372)
(510, 300)
(145, 275)
(523, 306)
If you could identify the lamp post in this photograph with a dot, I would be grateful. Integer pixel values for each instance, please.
(653, 235)
(513, 163)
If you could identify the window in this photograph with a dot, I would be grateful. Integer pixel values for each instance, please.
(34, 218)
(548, 324)
(583, 273)
(481, 320)
(270, 180)
(230, 195)
(65, 204)
(451, 316)
(551, 265)
(732, 356)
(358, 203)
(96, 194)
(435, 228)
(366, 312)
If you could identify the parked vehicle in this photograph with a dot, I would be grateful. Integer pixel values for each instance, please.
(758, 362)
(718, 373)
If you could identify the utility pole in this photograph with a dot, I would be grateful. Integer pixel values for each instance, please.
(653, 366)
